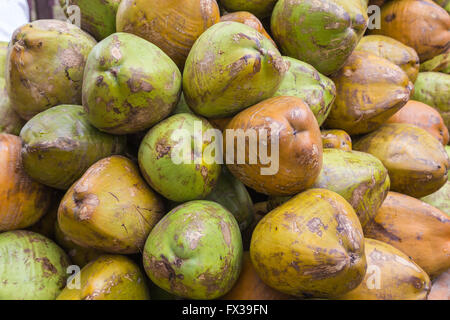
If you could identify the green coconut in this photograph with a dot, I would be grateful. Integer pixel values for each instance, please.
(98, 17)
(305, 82)
(195, 251)
(45, 66)
(60, 145)
(33, 267)
(358, 177)
(433, 89)
(178, 161)
(321, 33)
(123, 93)
(231, 67)
(232, 195)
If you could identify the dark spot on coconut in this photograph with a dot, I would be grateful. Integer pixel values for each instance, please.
(133, 85)
(99, 81)
(162, 269)
(204, 172)
(416, 282)
(178, 262)
(147, 87)
(376, 228)
(314, 225)
(294, 264)
(257, 65)
(210, 281)
(236, 67)
(328, 269)
(62, 143)
(25, 83)
(114, 72)
(49, 268)
(390, 17)
(162, 149)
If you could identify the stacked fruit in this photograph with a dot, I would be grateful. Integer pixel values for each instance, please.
(255, 149)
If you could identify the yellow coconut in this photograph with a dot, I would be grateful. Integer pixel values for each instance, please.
(416, 228)
(391, 275)
(310, 246)
(110, 277)
(370, 90)
(110, 208)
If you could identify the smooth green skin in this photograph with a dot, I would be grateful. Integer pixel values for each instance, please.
(98, 17)
(358, 177)
(33, 267)
(10, 122)
(48, 70)
(3, 53)
(195, 251)
(441, 198)
(231, 67)
(232, 195)
(182, 106)
(433, 89)
(303, 81)
(59, 145)
(321, 33)
(260, 8)
(123, 93)
(177, 182)
(440, 63)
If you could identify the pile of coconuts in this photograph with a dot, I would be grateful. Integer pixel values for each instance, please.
(358, 207)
